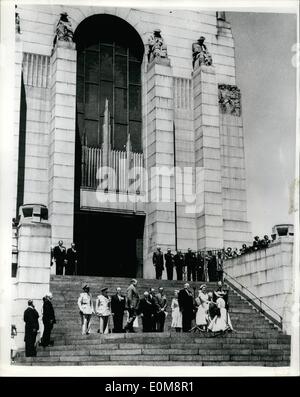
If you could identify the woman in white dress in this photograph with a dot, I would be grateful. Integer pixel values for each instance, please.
(221, 322)
(86, 309)
(103, 310)
(202, 303)
(176, 313)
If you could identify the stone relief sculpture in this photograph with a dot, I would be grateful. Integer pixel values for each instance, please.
(230, 99)
(157, 47)
(17, 21)
(64, 30)
(200, 54)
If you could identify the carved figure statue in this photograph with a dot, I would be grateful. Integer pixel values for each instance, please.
(230, 99)
(157, 46)
(64, 30)
(200, 53)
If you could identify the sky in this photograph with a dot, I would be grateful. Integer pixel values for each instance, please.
(267, 79)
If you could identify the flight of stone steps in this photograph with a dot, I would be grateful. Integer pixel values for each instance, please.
(256, 341)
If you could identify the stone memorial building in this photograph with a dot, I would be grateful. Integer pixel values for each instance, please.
(128, 132)
(128, 135)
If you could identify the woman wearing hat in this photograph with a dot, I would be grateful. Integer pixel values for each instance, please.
(176, 313)
(86, 308)
(202, 303)
(103, 310)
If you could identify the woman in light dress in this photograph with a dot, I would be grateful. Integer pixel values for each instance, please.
(202, 303)
(221, 322)
(86, 309)
(176, 313)
(103, 310)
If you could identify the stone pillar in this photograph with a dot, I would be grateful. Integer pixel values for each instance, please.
(18, 76)
(160, 221)
(33, 274)
(62, 141)
(209, 218)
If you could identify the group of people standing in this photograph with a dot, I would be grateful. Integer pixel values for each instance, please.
(65, 259)
(191, 266)
(210, 310)
(31, 319)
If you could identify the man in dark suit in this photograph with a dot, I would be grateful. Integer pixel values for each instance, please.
(31, 319)
(146, 311)
(158, 262)
(59, 255)
(71, 258)
(200, 266)
(186, 306)
(48, 320)
(179, 264)
(132, 303)
(117, 310)
(190, 263)
(212, 266)
(161, 305)
(169, 261)
(153, 300)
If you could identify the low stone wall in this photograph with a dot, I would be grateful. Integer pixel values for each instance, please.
(268, 274)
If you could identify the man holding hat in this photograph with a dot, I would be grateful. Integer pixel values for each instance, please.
(31, 319)
(48, 320)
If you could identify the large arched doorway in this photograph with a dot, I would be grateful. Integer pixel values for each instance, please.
(109, 59)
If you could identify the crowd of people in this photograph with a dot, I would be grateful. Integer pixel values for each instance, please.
(209, 310)
(201, 265)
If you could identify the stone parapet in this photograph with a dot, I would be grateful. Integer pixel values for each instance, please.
(268, 274)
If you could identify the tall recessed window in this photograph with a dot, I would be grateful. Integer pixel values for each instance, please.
(109, 57)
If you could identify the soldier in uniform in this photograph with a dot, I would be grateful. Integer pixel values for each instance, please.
(169, 261)
(200, 53)
(179, 264)
(132, 303)
(59, 255)
(158, 262)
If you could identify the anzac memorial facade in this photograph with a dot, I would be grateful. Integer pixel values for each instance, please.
(128, 129)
